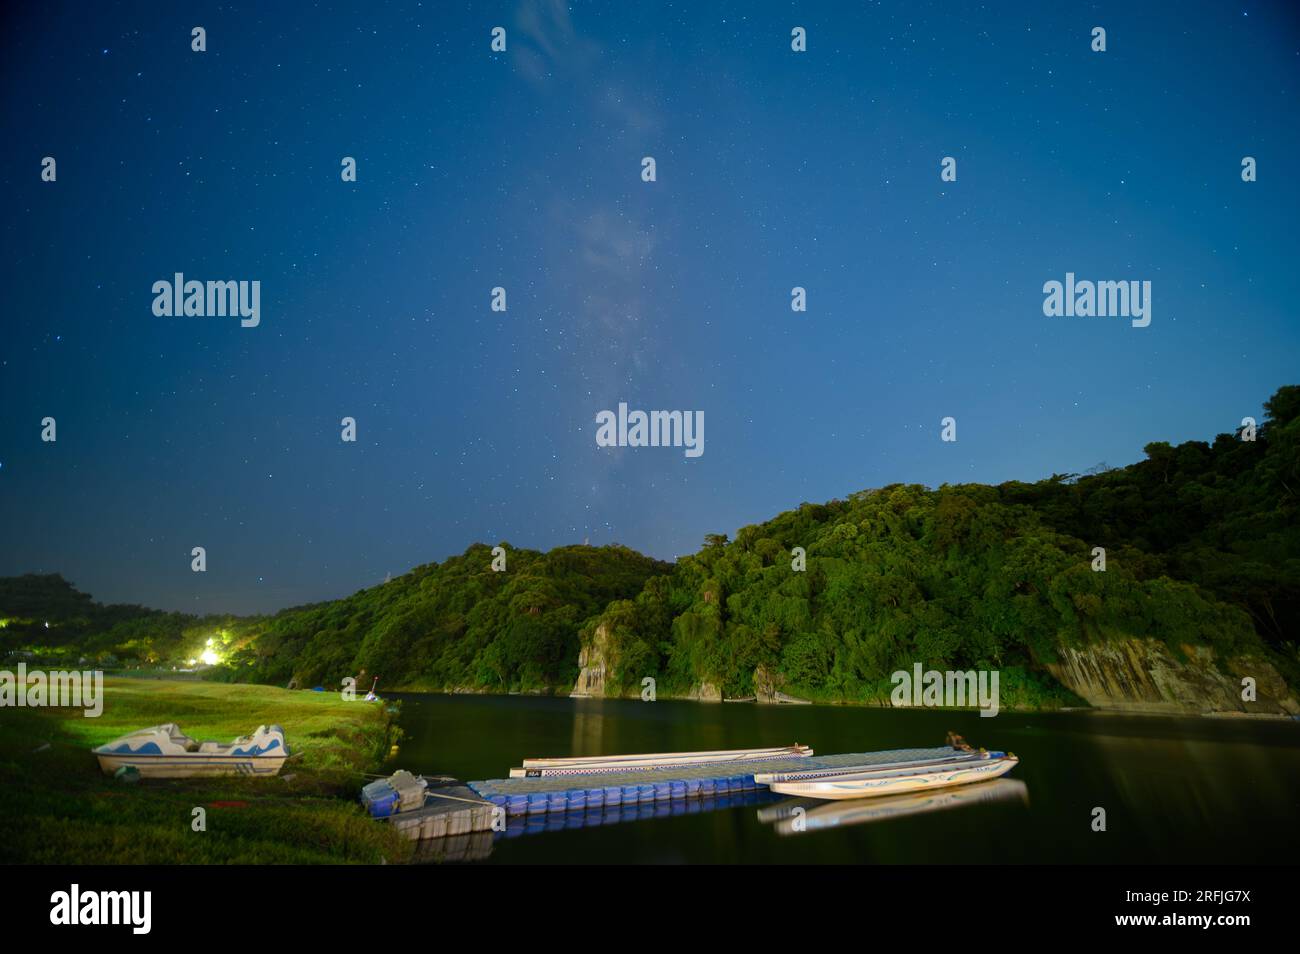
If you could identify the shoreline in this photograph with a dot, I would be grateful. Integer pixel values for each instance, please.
(1136, 710)
(1156, 710)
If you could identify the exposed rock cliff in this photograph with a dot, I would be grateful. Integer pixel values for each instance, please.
(593, 665)
(1134, 675)
(1142, 675)
(595, 661)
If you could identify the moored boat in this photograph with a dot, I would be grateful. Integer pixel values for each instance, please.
(164, 751)
(906, 759)
(596, 765)
(876, 780)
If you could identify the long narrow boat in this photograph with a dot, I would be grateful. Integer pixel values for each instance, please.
(891, 771)
(941, 757)
(597, 765)
(880, 780)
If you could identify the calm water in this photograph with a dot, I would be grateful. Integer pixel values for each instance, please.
(1174, 790)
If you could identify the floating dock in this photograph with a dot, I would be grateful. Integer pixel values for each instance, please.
(541, 796)
(450, 808)
(507, 807)
(456, 824)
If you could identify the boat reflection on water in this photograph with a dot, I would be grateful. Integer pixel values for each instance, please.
(797, 816)
(790, 816)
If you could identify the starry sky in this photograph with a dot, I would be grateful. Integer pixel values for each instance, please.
(522, 169)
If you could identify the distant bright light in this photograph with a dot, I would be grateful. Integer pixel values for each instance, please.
(209, 642)
(209, 657)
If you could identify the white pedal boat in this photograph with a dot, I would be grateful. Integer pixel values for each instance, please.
(962, 769)
(597, 765)
(164, 751)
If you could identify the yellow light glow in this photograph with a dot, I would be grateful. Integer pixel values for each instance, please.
(209, 658)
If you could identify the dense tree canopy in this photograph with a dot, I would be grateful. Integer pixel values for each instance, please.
(1202, 549)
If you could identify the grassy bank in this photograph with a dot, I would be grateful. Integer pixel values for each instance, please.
(57, 807)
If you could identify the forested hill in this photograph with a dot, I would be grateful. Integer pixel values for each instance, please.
(1202, 549)
(46, 615)
(1224, 515)
(458, 624)
(454, 624)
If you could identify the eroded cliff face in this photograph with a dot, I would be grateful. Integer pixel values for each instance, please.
(1142, 675)
(1133, 675)
(593, 666)
(595, 660)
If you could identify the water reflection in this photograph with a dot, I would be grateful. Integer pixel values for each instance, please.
(790, 816)
(1175, 791)
(797, 816)
(477, 846)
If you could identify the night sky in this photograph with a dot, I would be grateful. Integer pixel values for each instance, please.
(522, 169)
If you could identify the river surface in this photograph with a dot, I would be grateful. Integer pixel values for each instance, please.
(1174, 791)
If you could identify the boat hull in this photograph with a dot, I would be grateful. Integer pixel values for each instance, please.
(871, 785)
(192, 766)
(820, 774)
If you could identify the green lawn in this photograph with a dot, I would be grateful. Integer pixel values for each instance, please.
(57, 807)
